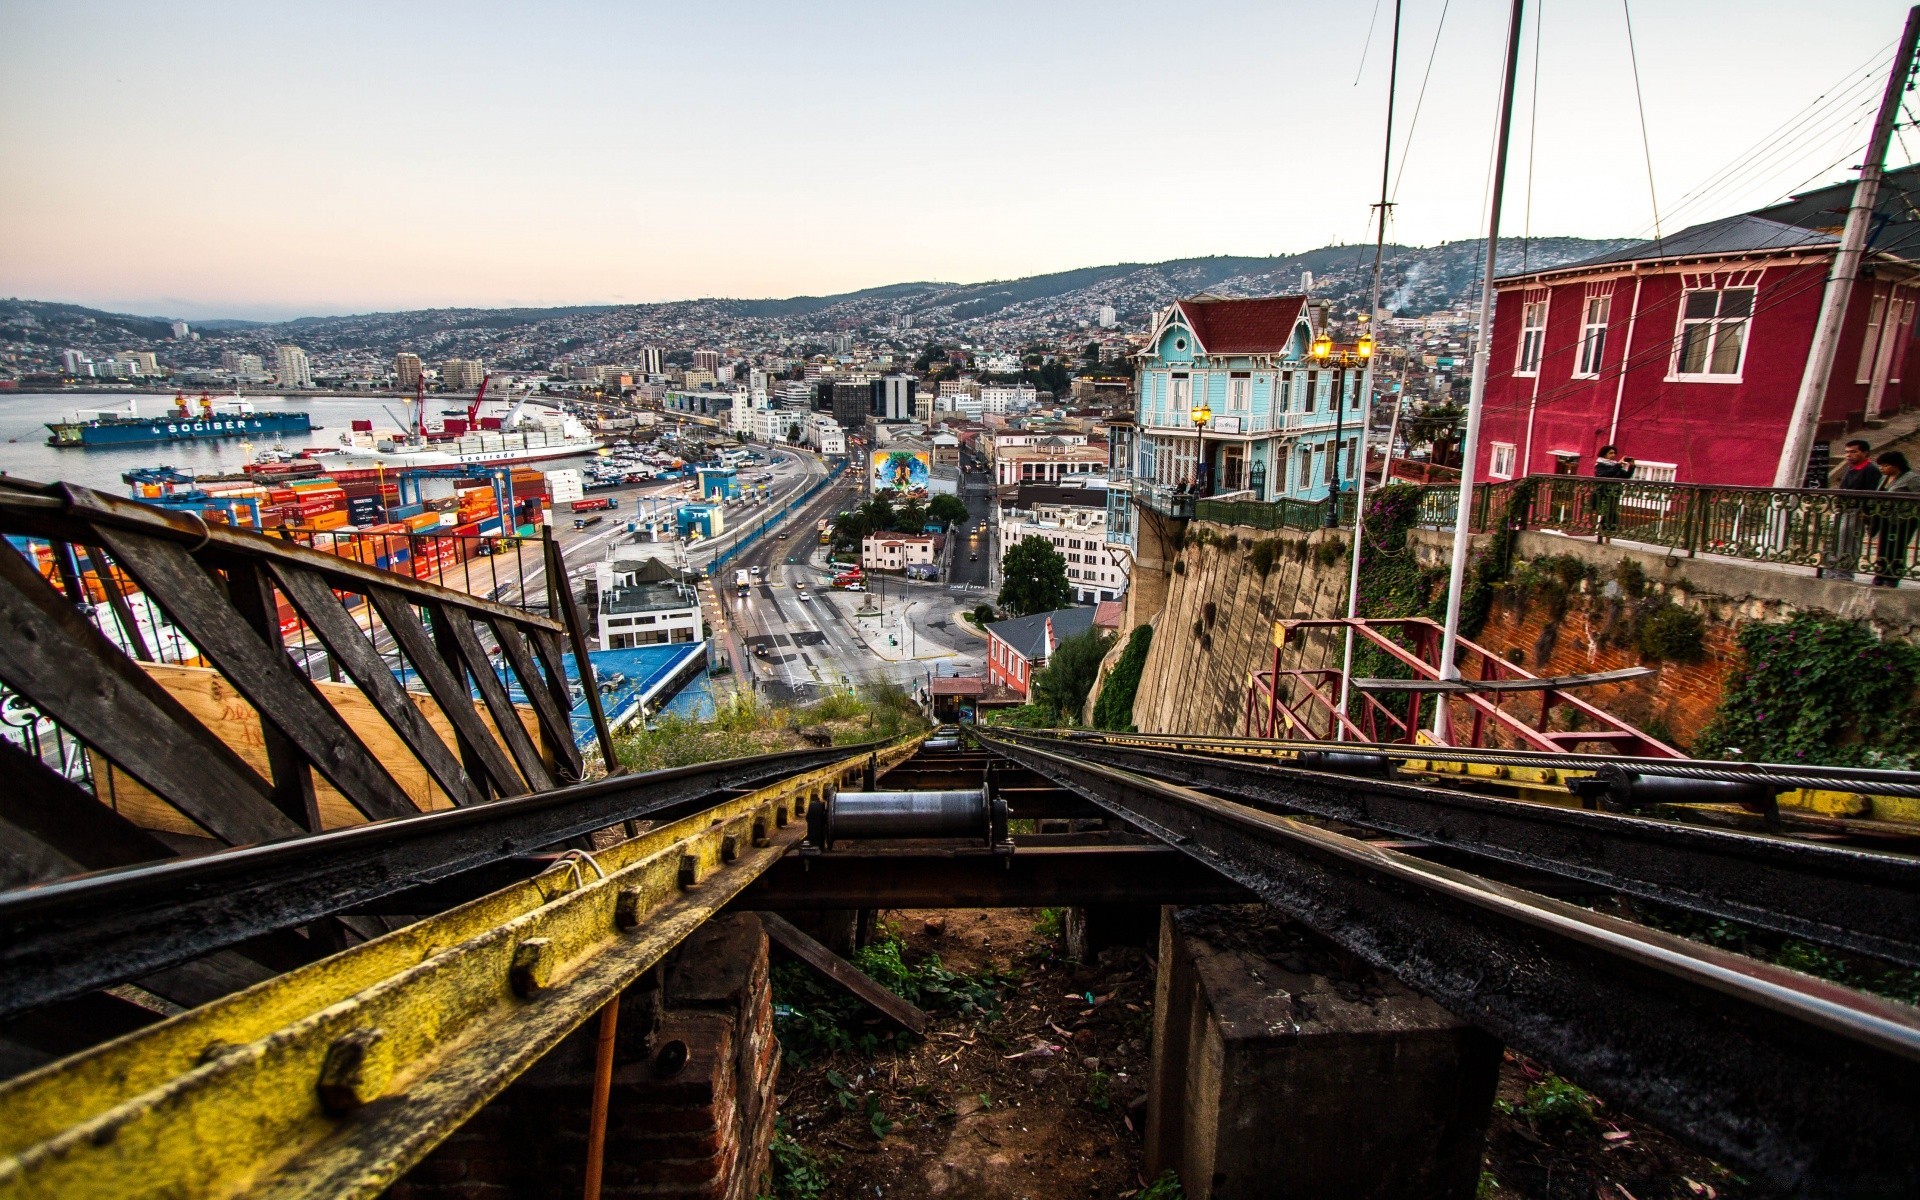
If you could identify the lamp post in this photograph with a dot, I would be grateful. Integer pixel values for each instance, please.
(1200, 414)
(1322, 351)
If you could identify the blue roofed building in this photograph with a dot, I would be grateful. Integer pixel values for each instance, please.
(1277, 418)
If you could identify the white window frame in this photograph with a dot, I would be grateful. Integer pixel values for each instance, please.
(1654, 472)
(1593, 336)
(1240, 390)
(1870, 344)
(1683, 322)
(1533, 338)
(1500, 461)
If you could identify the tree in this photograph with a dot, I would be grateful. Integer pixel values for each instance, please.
(1439, 427)
(948, 510)
(1034, 578)
(911, 516)
(1062, 686)
(1114, 708)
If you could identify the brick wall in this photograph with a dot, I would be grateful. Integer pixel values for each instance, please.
(1678, 701)
(690, 1113)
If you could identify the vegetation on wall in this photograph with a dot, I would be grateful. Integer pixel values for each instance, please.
(1114, 709)
(1062, 687)
(1819, 689)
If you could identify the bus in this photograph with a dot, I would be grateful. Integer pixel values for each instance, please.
(741, 582)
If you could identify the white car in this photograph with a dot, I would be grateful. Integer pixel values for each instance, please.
(805, 595)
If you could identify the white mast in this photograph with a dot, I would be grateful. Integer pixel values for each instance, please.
(1791, 472)
(1477, 393)
(1366, 409)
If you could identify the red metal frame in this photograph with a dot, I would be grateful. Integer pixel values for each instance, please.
(1313, 714)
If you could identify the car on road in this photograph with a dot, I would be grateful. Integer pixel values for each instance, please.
(973, 558)
(805, 595)
(782, 535)
(756, 572)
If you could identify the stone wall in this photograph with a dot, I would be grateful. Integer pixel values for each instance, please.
(1217, 624)
(1213, 613)
(1678, 701)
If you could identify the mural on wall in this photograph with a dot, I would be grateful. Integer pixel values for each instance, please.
(901, 470)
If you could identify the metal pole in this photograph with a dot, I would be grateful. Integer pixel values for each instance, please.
(1791, 473)
(1366, 390)
(1476, 395)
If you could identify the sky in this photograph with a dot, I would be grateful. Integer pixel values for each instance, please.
(205, 159)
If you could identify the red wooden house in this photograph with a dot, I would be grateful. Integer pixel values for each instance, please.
(1688, 352)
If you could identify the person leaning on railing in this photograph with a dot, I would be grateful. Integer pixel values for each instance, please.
(1858, 474)
(1896, 525)
(1611, 466)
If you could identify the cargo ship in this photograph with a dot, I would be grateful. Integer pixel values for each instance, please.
(215, 419)
(475, 441)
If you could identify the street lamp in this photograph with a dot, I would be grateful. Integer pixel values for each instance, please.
(1322, 351)
(1200, 414)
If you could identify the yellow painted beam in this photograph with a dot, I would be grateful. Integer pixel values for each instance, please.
(334, 1079)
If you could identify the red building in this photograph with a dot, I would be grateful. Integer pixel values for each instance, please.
(1019, 648)
(1687, 353)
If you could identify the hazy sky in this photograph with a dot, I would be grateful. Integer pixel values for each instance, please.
(200, 159)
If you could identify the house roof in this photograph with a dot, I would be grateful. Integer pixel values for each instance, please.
(1259, 326)
(1108, 614)
(1027, 635)
(958, 685)
(1810, 221)
(1026, 495)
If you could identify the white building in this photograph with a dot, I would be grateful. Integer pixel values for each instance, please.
(290, 367)
(824, 434)
(896, 551)
(650, 360)
(1107, 317)
(462, 374)
(73, 362)
(894, 397)
(640, 603)
(1003, 398)
(1074, 520)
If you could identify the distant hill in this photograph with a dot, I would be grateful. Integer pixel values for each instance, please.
(1416, 280)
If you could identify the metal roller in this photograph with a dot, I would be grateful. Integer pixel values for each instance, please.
(974, 813)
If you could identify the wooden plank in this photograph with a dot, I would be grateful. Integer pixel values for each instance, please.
(104, 511)
(223, 710)
(322, 610)
(122, 611)
(553, 661)
(460, 627)
(844, 973)
(555, 729)
(560, 590)
(488, 759)
(1554, 683)
(286, 699)
(55, 810)
(70, 671)
(251, 592)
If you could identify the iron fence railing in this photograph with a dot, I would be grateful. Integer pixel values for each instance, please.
(1844, 532)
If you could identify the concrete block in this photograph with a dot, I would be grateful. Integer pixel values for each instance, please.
(1283, 1068)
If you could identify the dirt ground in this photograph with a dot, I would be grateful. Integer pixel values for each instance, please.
(1033, 1105)
(1049, 1099)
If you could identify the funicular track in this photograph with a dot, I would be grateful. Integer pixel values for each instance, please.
(406, 968)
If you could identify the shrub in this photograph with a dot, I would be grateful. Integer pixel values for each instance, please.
(1674, 634)
(1062, 686)
(1114, 709)
(1819, 689)
(1262, 555)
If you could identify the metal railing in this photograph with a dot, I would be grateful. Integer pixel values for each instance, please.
(1844, 532)
(1847, 533)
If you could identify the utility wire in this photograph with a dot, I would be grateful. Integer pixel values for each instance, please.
(1406, 149)
(1646, 147)
(1364, 46)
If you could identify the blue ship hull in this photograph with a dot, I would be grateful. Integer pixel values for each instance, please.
(131, 431)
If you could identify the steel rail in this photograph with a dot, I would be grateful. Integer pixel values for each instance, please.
(69, 937)
(335, 1078)
(1804, 1082)
(1872, 781)
(1864, 901)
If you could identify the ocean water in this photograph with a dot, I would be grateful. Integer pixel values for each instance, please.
(24, 450)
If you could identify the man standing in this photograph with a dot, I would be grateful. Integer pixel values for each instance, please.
(1857, 474)
(1610, 466)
